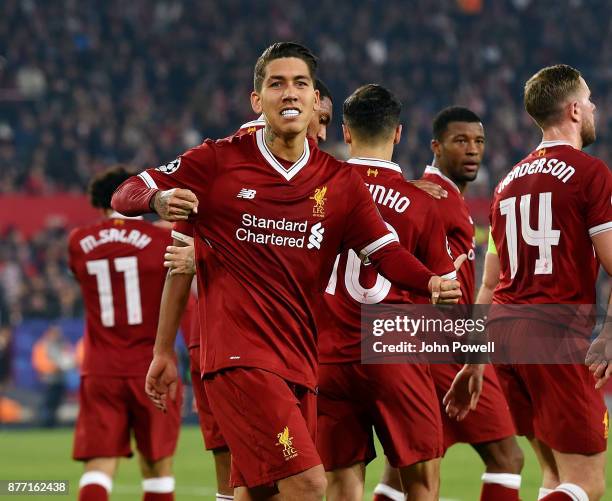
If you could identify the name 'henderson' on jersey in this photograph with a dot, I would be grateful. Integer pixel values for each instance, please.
(264, 260)
(118, 263)
(543, 215)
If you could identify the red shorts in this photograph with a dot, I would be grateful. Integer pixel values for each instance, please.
(397, 400)
(208, 425)
(556, 403)
(111, 408)
(269, 424)
(491, 421)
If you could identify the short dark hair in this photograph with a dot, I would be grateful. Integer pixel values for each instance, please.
(546, 91)
(279, 50)
(372, 112)
(104, 184)
(324, 92)
(449, 115)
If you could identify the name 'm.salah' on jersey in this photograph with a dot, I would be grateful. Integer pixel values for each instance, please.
(543, 215)
(267, 233)
(118, 263)
(459, 231)
(412, 215)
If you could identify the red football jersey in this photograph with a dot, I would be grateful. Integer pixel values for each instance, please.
(459, 231)
(267, 234)
(412, 215)
(543, 215)
(119, 265)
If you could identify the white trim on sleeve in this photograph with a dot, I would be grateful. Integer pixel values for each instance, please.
(186, 239)
(378, 244)
(450, 276)
(148, 180)
(600, 228)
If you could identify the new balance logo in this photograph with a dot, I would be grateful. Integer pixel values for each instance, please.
(246, 193)
(316, 236)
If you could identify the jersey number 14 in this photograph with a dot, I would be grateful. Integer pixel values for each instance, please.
(544, 237)
(129, 267)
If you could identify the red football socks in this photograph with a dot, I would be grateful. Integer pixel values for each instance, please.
(500, 487)
(497, 492)
(93, 492)
(158, 496)
(567, 492)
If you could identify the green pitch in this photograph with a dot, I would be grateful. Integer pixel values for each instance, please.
(36, 454)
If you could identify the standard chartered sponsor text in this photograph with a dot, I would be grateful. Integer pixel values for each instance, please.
(285, 233)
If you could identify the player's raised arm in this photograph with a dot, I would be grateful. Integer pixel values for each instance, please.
(368, 234)
(170, 190)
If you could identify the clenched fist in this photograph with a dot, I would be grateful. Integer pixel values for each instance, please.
(176, 204)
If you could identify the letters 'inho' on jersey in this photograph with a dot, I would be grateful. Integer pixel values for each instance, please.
(413, 216)
(543, 215)
(118, 263)
(459, 231)
(267, 234)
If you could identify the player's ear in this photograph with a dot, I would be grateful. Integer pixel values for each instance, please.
(256, 103)
(346, 134)
(574, 111)
(398, 134)
(317, 102)
(435, 147)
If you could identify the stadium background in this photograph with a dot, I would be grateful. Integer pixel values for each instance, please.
(86, 84)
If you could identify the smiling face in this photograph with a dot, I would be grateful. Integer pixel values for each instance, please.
(287, 97)
(317, 128)
(459, 151)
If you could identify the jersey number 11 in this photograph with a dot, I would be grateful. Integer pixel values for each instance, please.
(129, 267)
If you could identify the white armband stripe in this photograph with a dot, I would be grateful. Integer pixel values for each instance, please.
(148, 180)
(600, 228)
(186, 239)
(378, 244)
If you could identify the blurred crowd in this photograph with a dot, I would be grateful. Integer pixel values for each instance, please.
(34, 278)
(84, 84)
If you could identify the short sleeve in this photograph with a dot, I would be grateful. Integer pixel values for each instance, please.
(365, 231)
(598, 196)
(193, 170)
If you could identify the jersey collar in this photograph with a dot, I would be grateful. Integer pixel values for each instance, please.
(292, 171)
(254, 123)
(550, 144)
(117, 215)
(375, 162)
(430, 169)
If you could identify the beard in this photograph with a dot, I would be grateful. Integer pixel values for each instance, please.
(587, 133)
